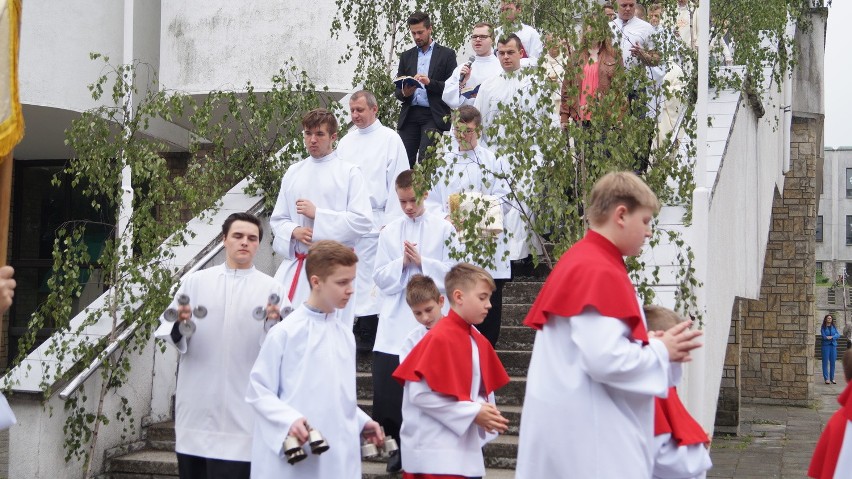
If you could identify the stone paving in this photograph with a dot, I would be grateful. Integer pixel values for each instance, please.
(776, 441)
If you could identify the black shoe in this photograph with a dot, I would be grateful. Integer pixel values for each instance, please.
(394, 462)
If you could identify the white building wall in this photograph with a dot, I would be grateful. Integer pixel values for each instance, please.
(220, 44)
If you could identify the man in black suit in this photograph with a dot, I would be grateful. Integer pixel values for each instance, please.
(422, 108)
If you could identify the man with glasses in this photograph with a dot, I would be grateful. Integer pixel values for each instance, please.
(461, 88)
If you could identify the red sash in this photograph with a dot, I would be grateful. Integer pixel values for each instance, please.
(671, 417)
(824, 460)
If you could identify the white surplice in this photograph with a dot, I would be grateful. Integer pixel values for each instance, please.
(306, 368)
(483, 68)
(513, 89)
(473, 170)
(339, 192)
(431, 233)
(211, 417)
(438, 435)
(414, 337)
(379, 152)
(590, 393)
(531, 40)
(684, 462)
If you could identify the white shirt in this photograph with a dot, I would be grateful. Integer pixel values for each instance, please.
(473, 171)
(513, 89)
(531, 40)
(626, 35)
(438, 435)
(380, 154)
(482, 69)
(590, 392)
(343, 213)
(306, 368)
(211, 418)
(430, 233)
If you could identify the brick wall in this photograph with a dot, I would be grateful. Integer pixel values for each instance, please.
(728, 406)
(777, 330)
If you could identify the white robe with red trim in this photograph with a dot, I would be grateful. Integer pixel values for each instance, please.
(590, 391)
(339, 192)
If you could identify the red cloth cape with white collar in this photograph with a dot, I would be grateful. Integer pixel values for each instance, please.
(590, 274)
(824, 460)
(671, 417)
(444, 358)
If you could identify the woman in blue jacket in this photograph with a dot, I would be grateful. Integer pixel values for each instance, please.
(829, 347)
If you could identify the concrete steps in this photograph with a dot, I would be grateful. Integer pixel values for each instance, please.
(158, 461)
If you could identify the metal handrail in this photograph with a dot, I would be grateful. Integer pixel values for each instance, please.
(86, 373)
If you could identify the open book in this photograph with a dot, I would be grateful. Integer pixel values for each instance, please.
(407, 81)
(470, 92)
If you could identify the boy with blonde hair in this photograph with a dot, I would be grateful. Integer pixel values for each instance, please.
(595, 370)
(679, 441)
(833, 451)
(427, 304)
(304, 378)
(418, 242)
(448, 405)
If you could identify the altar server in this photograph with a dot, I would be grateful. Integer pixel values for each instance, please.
(213, 424)
(594, 370)
(833, 453)
(529, 36)
(304, 378)
(379, 152)
(321, 197)
(462, 86)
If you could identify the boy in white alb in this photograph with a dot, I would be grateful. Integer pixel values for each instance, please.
(473, 168)
(213, 424)
(419, 242)
(379, 152)
(304, 378)
(427, 304)
(321, 197)
(530, 38)
(450, 377)
(595, 370)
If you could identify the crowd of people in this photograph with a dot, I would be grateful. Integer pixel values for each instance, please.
(271, 367)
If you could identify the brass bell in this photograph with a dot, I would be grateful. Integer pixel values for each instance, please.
(369, 450)
(171, 314)
(293, 450)
(187, 328)
(260, 313)
(390, 446)
(317, 442)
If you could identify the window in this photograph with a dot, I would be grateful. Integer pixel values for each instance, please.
(848, 229)
(819, 229)
(819, 267)
(849, 182)
(831, 296)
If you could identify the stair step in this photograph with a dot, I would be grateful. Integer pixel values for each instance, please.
(149, 464)
(161, 436)
(521, 292)
(144, 463)
(514, 314)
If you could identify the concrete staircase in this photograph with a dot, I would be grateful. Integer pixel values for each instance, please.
(156, 458)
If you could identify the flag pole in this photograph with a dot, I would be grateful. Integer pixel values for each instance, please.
(5, 204)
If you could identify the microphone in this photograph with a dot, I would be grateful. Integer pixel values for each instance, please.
(469, 63)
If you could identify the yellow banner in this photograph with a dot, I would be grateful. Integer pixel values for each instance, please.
(11, 118)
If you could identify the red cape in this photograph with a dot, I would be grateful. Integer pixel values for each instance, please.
(590, 274)
(824, 460)
(671, 417)
(443, 358)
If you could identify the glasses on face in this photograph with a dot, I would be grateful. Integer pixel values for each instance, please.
(479, 37)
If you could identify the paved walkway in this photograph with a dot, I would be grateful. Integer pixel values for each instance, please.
(776, 441)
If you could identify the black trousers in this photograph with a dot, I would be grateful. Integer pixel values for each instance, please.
(490, 327)
(387, 393)
(195, 467)
(418, 122)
